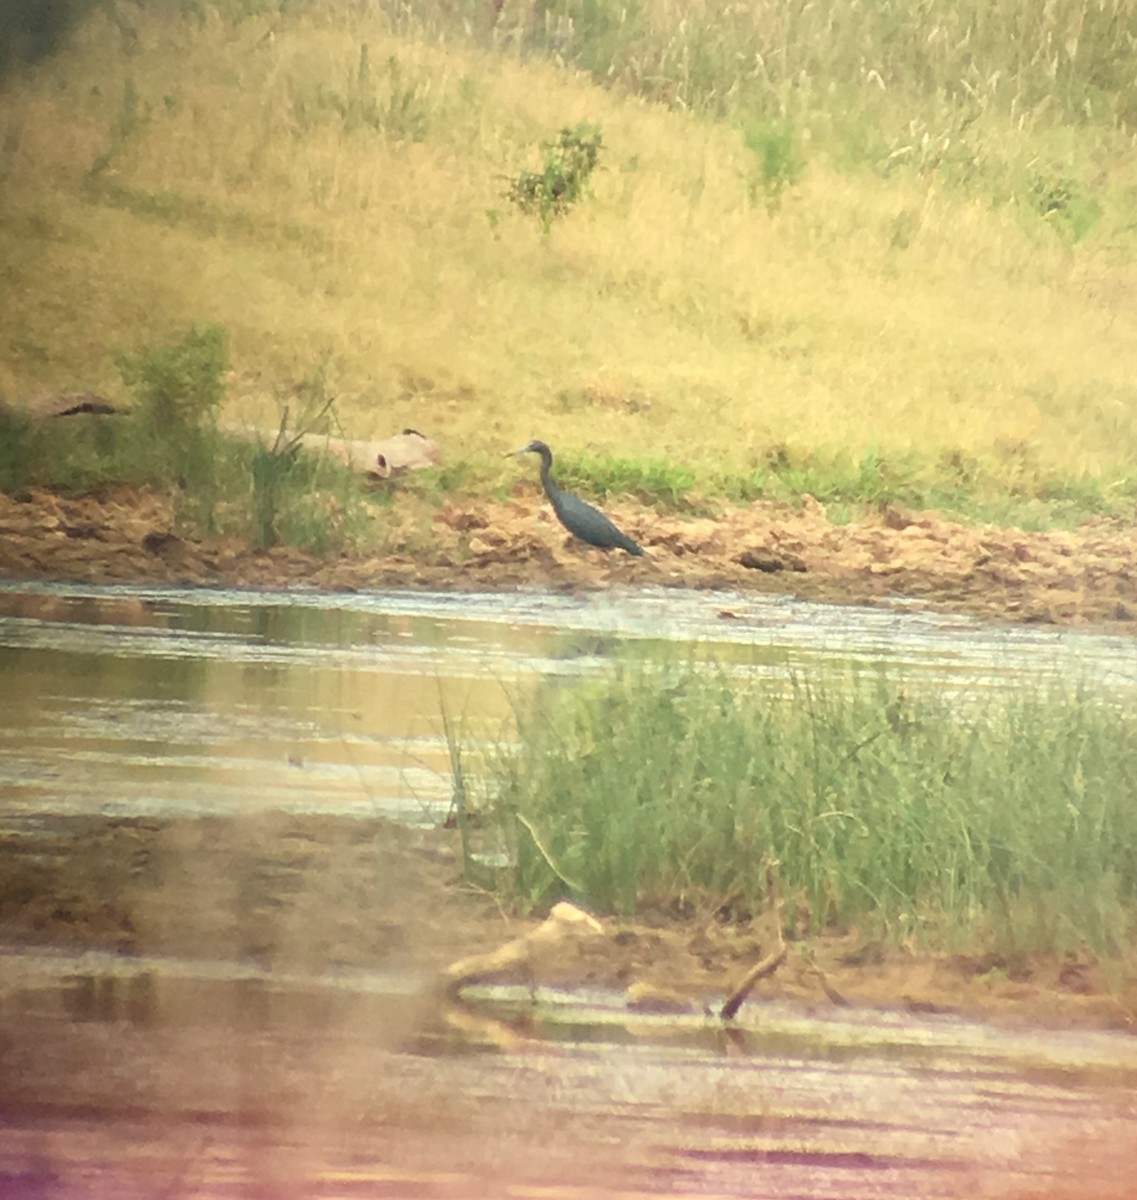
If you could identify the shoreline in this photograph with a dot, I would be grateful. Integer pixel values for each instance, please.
(1077, 579)
(1083, 579)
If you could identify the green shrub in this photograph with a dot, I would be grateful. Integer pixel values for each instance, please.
(17, 451)
(778, 162)
(564, 178)
(1066, 205)
(178, 386)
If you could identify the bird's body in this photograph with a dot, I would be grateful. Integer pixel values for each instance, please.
(577, 516)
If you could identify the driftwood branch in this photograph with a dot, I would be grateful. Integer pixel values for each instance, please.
(63, 404)
(566, 922)
(766, 967)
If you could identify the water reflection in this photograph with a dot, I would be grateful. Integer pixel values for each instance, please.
(294, 1088)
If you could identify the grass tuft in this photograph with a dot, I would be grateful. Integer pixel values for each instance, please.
(996, 819)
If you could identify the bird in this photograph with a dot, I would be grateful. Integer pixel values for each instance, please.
(577, 516)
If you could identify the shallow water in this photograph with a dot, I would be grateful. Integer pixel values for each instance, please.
(161, 701)
(201, 1081)
(282, 1040)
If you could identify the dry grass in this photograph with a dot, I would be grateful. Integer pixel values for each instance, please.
(671, 316)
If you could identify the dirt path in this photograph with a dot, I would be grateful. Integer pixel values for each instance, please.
(1083, 577)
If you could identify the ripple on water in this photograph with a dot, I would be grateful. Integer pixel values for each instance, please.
(147, 699)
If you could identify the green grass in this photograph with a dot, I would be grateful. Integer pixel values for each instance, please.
(653, 481)
(963, 490)
(1001, 819)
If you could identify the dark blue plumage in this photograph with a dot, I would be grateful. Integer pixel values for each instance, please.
(578, 517)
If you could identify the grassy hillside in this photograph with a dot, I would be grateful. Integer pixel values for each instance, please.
(860, 250)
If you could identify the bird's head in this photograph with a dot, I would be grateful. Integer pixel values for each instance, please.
(533, 447)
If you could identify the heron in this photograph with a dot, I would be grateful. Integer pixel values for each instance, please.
(578, 517)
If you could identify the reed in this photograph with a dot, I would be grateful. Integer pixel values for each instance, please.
(1002, 819)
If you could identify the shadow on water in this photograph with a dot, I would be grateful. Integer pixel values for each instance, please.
(219, 950)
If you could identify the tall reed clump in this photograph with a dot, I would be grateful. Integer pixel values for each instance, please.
(1007, 821)
(764, 54)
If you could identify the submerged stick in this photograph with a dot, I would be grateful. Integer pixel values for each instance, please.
(766, 967)
(772, 961)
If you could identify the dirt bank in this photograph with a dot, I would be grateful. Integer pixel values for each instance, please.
(1083, 577)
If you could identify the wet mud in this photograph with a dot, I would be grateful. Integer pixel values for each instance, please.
(1082, 577)
(309, 893)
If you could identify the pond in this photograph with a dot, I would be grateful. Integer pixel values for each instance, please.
(225, 998)
(129, 700)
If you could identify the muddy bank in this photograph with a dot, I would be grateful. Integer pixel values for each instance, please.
(313, 894)
(1082, 577)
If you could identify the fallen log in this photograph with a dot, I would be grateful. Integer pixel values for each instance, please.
(63, 404)
(406, 451)
(377, 459)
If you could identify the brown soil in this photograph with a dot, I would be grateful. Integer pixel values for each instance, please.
(1075, 578)
(311, 893)
(1082, 577)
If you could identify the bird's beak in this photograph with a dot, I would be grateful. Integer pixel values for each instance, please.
(515, 453)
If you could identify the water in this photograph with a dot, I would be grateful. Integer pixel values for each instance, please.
(221, 987)
(128, 700)
(291, 1087)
